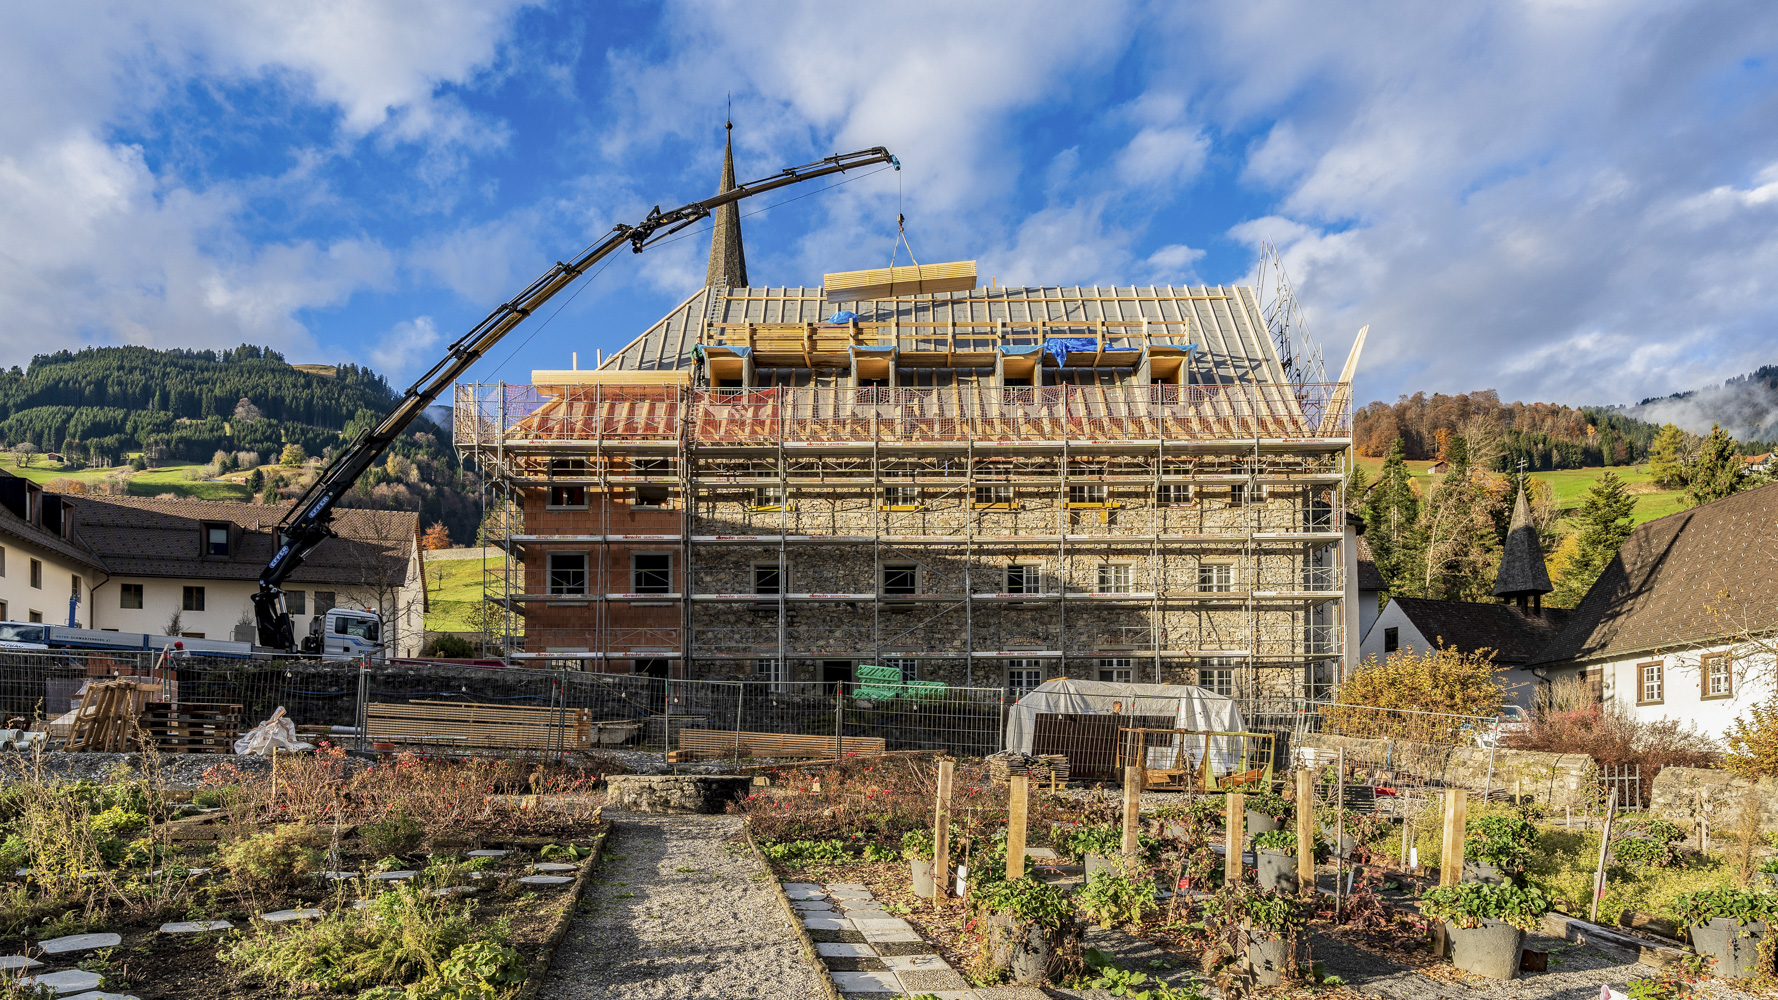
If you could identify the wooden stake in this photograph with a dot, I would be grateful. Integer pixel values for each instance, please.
(1132, 808)
(1305, 830)
(941, 830)
(1015, 826)
(1234, 826)
(1604, 849)
(1450, 866)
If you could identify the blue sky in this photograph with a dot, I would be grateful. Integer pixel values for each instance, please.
(1567, 201)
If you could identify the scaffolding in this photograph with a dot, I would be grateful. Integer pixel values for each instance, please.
(952, 480)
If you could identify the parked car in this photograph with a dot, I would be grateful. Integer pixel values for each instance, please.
(1512, 719)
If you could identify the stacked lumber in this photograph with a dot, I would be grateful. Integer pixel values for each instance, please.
(714, 743)
(1042, 767)
(105, 722)
(478, 726)
(193, 727)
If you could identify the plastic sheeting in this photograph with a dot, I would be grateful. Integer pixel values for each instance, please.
(275, 733)
(1058, 347)
(1190, 707)
(842, 317)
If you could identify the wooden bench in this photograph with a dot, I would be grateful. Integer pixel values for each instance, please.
(477, 725)
(728, 743)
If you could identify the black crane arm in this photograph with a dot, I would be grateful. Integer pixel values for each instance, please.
(306, 526)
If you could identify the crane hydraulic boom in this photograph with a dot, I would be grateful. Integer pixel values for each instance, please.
(307, 524)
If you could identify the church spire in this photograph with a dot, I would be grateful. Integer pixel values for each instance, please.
(1522, 573)
(728, 263)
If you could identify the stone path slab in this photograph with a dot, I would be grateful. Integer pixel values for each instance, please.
(546, 880)
(79, 942)
(908, 965)
(553, 866)
(195, 926)
(394, 876)
(285, 916)
(100, 995)
(489, 854)
(65, 982)
(15, 962)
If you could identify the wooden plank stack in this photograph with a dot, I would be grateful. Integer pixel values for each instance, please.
(193, 727)
(473, 725)
(703, 744)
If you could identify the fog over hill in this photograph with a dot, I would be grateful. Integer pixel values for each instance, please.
(1746, 406)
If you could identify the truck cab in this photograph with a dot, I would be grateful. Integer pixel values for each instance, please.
(344, 634)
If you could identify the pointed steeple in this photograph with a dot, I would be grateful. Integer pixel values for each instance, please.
(1522, 573)
(728, 263)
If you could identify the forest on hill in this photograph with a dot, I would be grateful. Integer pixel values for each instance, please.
(1498, 435)
(136, 408)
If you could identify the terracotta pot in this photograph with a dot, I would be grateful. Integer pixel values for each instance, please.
(383, 747)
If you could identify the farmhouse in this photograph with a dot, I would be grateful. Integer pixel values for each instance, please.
(985, 486)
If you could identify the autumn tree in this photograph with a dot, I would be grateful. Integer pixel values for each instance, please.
(1441, 680)
(1666, 457)
(1605, 523)
(1716, 472)
(293, 454)
(436, 537)
(1457, 530)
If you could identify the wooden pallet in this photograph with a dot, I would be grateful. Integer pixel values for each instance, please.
(106, 719)
(193, 727)
(476, 726)
(729, 743)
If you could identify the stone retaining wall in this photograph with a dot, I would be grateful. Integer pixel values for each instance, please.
(1555, 781)
(1685, 795)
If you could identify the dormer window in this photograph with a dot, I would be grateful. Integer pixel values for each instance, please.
(216, 539)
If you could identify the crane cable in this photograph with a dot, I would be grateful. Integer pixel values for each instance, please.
(901, 229)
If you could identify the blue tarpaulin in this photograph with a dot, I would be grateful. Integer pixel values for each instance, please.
(1020, 348)
(1058, 347)
(843, 317)
(698, 349)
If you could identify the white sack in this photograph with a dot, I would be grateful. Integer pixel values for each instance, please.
(275, 733)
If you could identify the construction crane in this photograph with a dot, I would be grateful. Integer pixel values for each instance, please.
(307, 524)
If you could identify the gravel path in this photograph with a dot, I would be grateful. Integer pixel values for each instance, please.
(182, 771)
(681, 908)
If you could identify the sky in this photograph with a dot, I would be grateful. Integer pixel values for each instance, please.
(1563, 200)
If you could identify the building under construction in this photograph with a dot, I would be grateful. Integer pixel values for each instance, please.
(982, 486)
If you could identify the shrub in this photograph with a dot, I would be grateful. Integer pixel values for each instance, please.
(807, 851)
(1500, 840)
(1024, 899)
(1752, 742)
(1263, 909)
(1099, 840)
(117, 820)
(1441, 680)
(1740, 905)
(273, 860)
(451, 647)
(1268, 803)
(1120, 895)
(917, 845)
(1644, 852)
(1612, 736)
(877, 852)
(1284, 841)
(1467, 904)
(396, 834)
(403, 936)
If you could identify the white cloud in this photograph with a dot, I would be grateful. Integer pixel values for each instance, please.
(408, 344)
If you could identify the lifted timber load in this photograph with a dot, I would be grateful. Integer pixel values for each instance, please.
(894, 282)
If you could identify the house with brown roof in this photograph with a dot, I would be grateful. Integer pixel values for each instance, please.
(45, 570)
(1683, 623)
(1511, 634)
(190, 567)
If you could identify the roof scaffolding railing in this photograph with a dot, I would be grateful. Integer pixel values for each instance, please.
(490, 414)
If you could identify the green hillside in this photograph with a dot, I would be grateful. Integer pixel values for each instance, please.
(1570, 486)
(216, 424)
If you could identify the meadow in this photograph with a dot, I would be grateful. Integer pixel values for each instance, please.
(1570, 486)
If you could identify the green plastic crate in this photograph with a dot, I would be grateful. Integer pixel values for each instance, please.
(878, 692)
(870, 673)
(925, 690)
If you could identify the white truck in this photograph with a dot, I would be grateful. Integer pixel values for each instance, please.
(341, 634)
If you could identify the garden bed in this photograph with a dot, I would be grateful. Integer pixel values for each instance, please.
(457, 876)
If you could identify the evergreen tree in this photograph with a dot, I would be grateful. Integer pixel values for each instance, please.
(1605, 523)
(1392, 520)
(1717, 471)
(1666, 458)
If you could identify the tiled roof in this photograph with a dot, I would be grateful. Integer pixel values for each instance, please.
(1685, 578)
(1514, 635)
(141, 537)
(1233, 345)
(16, 527)
(1368, 577)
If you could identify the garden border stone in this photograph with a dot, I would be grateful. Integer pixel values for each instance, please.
(810, 955)
(558, 930)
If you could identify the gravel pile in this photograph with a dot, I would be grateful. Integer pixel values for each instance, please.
(179, 771)
(680, 907)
